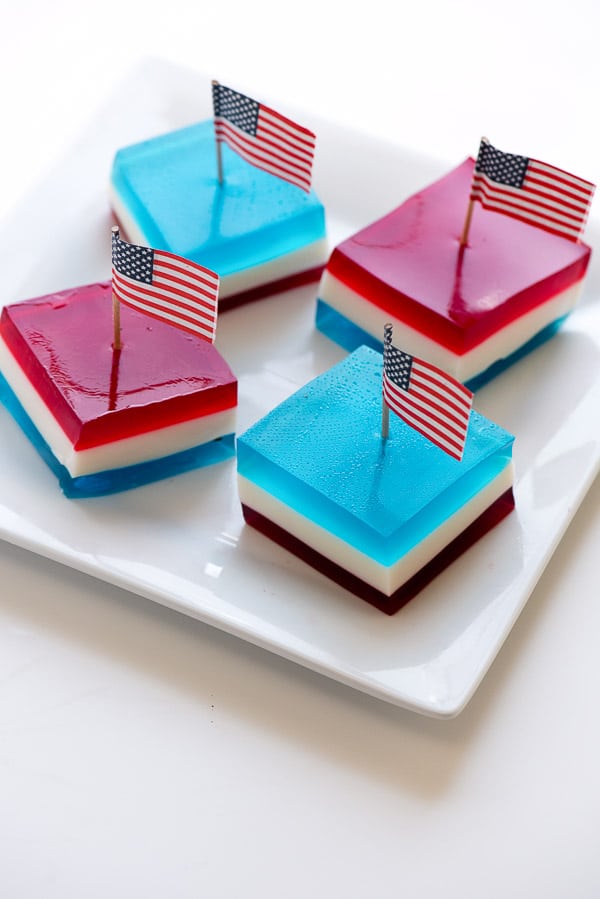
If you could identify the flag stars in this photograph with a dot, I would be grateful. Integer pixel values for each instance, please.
(398, 365)
(504, 168)
(133, 261)
(237, 108)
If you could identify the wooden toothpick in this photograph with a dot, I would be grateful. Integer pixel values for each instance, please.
(385, 409)
(116, 306)
(215, 84)
(467, 225)
(385, 421)
(469, 216)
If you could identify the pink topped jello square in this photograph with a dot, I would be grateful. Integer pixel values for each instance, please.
(107, 419)
(470, 310)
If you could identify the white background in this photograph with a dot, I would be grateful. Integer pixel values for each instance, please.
(144, 754)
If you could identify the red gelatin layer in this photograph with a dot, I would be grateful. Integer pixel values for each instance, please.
(410, 264)
(161, 376)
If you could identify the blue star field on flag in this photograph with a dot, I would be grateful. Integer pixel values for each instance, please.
(505, 168)
(132, 260)
(239, 109)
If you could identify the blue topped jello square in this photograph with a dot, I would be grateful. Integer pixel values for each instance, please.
(379, 517)
(261, 234)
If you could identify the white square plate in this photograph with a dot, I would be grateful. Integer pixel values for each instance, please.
(182, 542)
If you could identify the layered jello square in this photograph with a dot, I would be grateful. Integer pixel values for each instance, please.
(379, 517)
(103, 419)
(471, 310)
(261, 234)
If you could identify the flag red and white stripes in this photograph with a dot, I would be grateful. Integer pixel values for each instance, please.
(428, 399)
(532, 191)
(263, 137)
(166, 287)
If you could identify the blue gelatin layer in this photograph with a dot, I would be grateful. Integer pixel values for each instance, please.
(118, 479)
(320, 452)
(169, 186)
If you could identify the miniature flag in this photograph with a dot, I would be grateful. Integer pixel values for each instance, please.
(166, 287)
(531, 191)
(263, 137)
(428, 399)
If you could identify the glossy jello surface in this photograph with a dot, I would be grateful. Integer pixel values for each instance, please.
(410, 264)
(321, 453)
(161, 376)
(170, 188)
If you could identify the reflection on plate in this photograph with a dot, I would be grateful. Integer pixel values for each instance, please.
(183, 543)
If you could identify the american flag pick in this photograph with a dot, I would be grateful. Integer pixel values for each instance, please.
(428, 399)
(263, 137)
(165, 286)
(531, 191)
